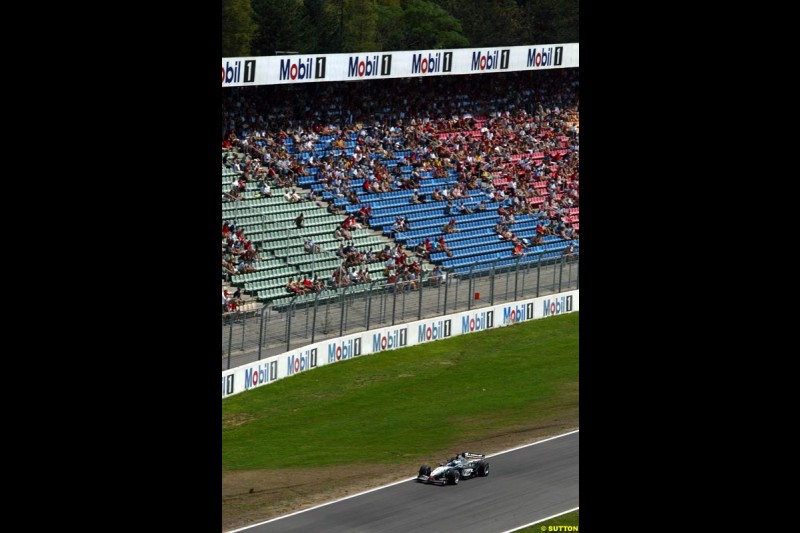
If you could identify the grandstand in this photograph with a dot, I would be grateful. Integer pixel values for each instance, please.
(504, 146)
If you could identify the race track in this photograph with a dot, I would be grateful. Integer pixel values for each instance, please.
(524, 485)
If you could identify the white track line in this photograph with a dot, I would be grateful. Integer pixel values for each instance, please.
(405, 481)
(542, 520)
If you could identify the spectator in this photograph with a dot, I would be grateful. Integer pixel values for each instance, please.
(364, 214)
(299, 221)
(423, 249)
(291, 196)
(311, 247)
(411, 279)
(307, 285)
(569, 251)
(353, 276)
(450, 227)
(333, 210)
(442, 247)
(437, 276)
(342, 233)
(399, 225)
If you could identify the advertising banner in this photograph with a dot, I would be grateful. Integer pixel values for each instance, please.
(300, 68)
(331, 351)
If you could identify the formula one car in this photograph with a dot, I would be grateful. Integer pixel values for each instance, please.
(463, 466)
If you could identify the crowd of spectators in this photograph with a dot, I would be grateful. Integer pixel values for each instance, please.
(238, 253)
(513, 135)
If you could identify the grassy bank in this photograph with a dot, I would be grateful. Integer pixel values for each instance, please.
(405, 404)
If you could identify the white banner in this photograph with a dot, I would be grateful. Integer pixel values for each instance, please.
(287, 364)
(272, 70)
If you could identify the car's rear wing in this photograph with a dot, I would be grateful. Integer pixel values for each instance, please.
(469, 455)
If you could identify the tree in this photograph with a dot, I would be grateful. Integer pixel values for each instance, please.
(551, 21)
(281, 27)
(323, 18)
(360, 26)
(488, 22)
(238, 27)
(390, 28)
(417, 25)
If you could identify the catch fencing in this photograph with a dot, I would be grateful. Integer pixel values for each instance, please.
(248, 337)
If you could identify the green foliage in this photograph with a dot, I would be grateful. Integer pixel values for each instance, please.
(551, 21)
(391, 30)
(323, 18)
(488, 22)
(338, 26)
(360, 26)
(427, 25)
(238, 28)
(384, 407)
(417, 25)
(282, 26)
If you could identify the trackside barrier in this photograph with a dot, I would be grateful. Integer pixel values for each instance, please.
(264, 372)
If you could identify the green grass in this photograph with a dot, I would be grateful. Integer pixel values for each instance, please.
(569, 519)
(405, 404)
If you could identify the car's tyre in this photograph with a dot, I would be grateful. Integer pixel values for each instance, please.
(483, 470)
(453, 476)
(425, 470)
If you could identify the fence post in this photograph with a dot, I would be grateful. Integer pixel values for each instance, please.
(491, 283)
(368, 310)
(314, 320)
(341, 312)
(289, 313)
(524, 273)
(448, 278)
(469, 289)
(230, 342)
(394, 301)
(261, 332)
(327, 311)
(560, 272)
(244, 320)
(419, 288)
(367, 295)
(538, 274)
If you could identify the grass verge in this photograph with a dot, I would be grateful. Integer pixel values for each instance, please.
(415, 403)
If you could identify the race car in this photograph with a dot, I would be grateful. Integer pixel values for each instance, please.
(463, 466)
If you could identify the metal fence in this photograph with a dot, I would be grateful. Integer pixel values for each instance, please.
(247, 337)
